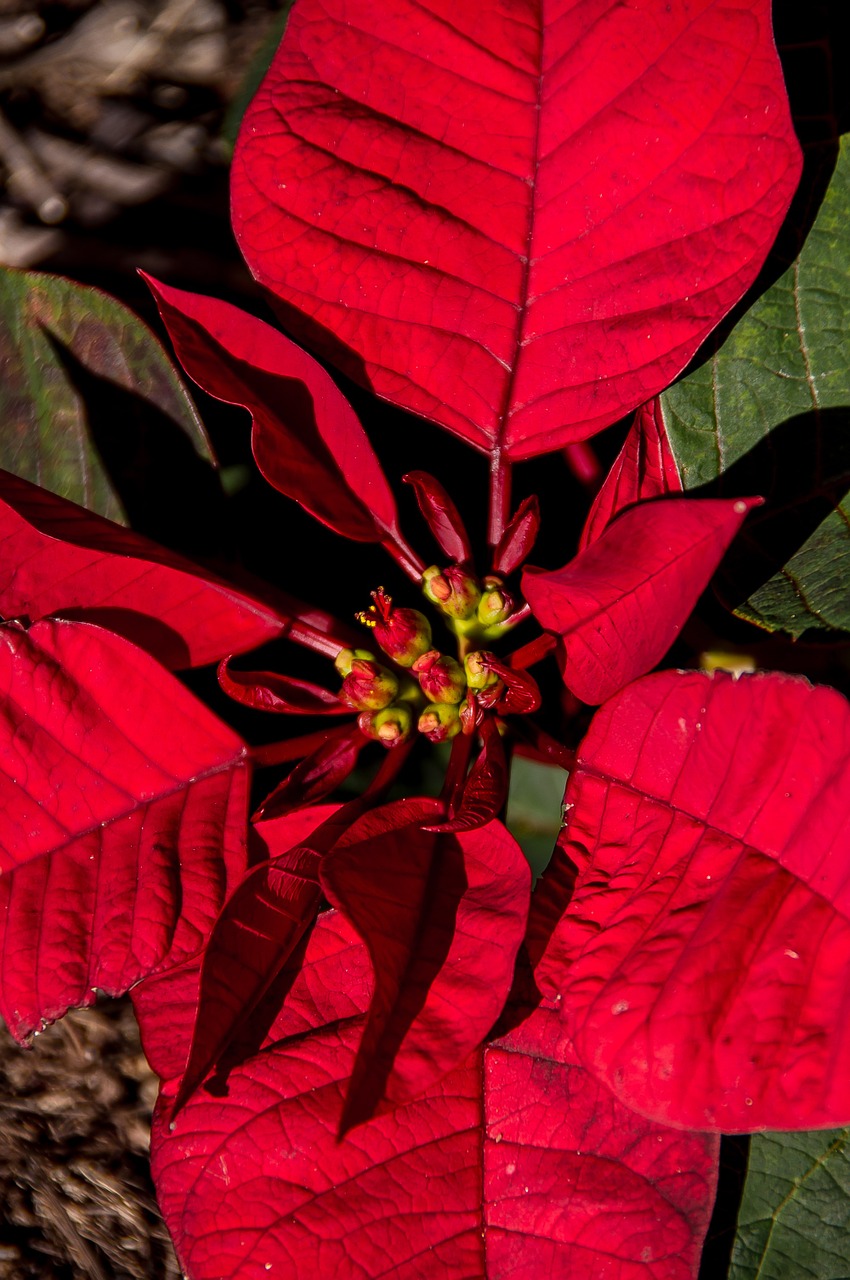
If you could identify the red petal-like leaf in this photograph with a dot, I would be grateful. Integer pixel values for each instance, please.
(644, 468)
(58, 557)
(486, 788)
(443, 917)
(269, 691)
(306, 439)
(620, 604)
(519, 537)
(519, 695)
(515, 1165)
(316, 776)
(123, 819)
(508, 220)
(258, 929)
(704, 960)
(442, 516)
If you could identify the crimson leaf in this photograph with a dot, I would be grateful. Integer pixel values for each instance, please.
(507, 220)
(123, 819)
(516, 1164)
(644, 468)
(443, 917)
(442, 516)
(619, 604)
(58, 557)
(306, 438)
(703, 959)
(270, 691)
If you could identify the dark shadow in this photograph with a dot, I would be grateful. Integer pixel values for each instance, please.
(815, 57)
(397, 1004)
(720, 1237)
(169, 493)
(802, 469)
(156, 637)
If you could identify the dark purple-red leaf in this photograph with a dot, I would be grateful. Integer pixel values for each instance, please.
(518, 1164)
(441, 515)
(519, 537)
(269, 691)
(704, 959)
(486, 788)
(316, 776)
(306, 439)
(518, 692)
(258, 929)
(123, 819)
(520, 221)
(56, 557)
(619, 605)
(443, 917)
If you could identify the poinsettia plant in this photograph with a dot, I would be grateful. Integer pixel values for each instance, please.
(384, 1050)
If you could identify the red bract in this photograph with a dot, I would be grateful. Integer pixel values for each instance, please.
(57, 557)
(515, 1165)
(703, 960)
(443, 917)
(519, 224)
(270, 691)
(254, 936)
(644, 468)
(118, 842)
(619, 605)
(306, 438)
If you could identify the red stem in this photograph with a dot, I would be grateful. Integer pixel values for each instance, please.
(526, 656)
(405, 557)
(456, 772)
(500, 496)
(391, 767)
(302, 633)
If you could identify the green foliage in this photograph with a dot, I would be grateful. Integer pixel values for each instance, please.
(47, 327)
(534, 808)
(765, 409)
(794, 1222)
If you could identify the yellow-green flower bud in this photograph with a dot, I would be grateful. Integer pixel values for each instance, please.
(440, 721)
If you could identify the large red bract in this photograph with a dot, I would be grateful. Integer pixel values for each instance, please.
(118, 841)
(516, 1165)
(56, 557)
(619, 605)
(704, 958)
(520, 221)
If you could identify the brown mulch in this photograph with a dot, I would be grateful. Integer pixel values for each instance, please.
(76, 1200)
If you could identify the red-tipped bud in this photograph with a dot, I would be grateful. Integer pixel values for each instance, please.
(495, 604)
(440, 677)
(368, 686)
(478, 673)
(452, 590)
(440, 721)
(391, 726)
(403, 634)
(346, 657)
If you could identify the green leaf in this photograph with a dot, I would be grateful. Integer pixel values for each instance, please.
(534, 810)
(254, 75)
(769, 412)
(46, 324)
(794, 1222)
